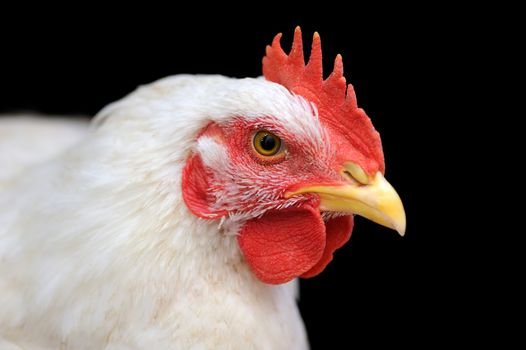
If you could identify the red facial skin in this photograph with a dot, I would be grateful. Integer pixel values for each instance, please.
(281, 238)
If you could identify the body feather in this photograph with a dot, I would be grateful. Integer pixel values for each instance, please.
(98, 250)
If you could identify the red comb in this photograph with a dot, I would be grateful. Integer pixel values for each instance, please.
(335, 100)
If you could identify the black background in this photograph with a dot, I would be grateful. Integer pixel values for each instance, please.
(380, 288)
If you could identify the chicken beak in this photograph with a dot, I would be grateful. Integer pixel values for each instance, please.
(376, 201)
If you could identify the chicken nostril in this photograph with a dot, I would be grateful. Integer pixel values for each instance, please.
(349, 178)
(356, 172)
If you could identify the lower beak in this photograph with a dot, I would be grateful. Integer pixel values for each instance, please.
(376, 201)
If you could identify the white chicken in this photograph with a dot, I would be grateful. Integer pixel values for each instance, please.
(182, 216)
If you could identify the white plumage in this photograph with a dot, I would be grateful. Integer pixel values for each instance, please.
(31, 139)
(98, 250)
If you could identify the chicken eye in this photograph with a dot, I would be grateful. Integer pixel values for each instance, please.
(266, 143)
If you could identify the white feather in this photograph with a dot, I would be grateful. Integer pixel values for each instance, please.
(98, 250)
(213, 155)
(26, 140)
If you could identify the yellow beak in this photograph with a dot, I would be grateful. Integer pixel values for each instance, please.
(377, 201)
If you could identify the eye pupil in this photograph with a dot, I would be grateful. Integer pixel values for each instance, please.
(268, 143)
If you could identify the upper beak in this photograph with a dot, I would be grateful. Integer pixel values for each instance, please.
(377, 201)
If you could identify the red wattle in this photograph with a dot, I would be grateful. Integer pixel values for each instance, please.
(283, 244)
(338, 232)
